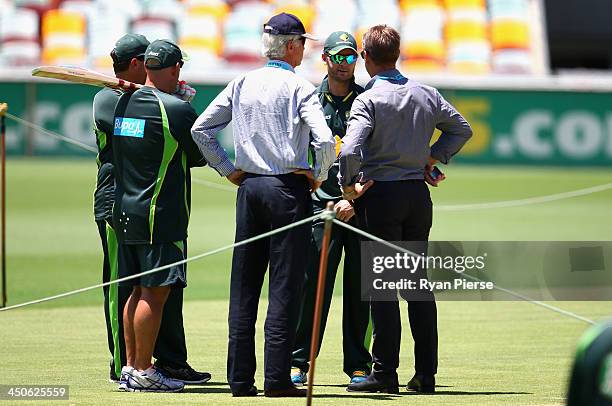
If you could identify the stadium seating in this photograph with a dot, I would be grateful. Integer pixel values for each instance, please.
(468, 46)
(510, 35)
(201, 34)
(63, 38)
(460, 36)
(19, 37)
(422, 35)
(243, 29)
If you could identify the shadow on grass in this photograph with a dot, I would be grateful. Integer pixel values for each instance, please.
(465, 393)
(206, 389)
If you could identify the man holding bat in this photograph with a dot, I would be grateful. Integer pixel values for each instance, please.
(152, 151)
(170, 350)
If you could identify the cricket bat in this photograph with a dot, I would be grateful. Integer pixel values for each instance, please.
(85, 76)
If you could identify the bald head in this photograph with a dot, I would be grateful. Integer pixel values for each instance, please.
(165, 79)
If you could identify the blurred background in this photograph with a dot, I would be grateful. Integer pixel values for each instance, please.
(532, 76)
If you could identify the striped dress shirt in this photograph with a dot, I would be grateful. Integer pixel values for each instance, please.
(276, 116)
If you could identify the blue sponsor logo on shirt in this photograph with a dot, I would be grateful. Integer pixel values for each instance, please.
(129, 127)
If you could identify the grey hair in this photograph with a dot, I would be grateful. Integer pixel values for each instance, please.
(275, 46)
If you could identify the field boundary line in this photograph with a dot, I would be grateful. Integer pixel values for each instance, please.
(495, 286)
(526, 201)
(450, 207)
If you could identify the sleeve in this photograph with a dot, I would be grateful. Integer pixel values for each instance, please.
(104, 104)
(321, 138)
(359, 128)
(187, 116)
(455, 131)
(206, 127)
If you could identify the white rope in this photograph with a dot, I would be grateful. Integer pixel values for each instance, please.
(517, 295)
(52, 133)
(227, 188)
(161, 268)
(451, 207)
(525, 202)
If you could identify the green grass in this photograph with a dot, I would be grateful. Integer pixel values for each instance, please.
(496, 353)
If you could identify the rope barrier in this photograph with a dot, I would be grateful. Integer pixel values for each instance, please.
(161, 268)
(501, 289)
(52, 133)
(226, 188)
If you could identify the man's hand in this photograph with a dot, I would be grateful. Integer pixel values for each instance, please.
(236, 177)
(184, 91)
(356, 191)
(433, 182)
(344, 210)
(312, 182)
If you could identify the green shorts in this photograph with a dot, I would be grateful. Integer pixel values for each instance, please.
(136, 258)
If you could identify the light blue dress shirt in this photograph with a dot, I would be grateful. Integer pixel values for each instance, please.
(276, 115)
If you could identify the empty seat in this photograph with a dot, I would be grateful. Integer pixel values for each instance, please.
(19, 37)
(467, 36)
(102, 36)
(510, 36)
(201, 34)
(372, 13)
(63, 37)
(423, 35)
(243, 29)
(154, 27)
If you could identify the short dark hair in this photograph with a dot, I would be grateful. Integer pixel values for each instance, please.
(122, 66)
(382, 44)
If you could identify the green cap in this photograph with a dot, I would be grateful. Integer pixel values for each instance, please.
(129, 46)
(163, 54)
(339, 40)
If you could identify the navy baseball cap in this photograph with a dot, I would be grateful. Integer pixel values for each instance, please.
(287, 24)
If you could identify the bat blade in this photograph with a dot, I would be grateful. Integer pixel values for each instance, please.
(83, 76)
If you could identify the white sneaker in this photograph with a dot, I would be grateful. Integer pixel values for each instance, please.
(151, 380)
(126, 371)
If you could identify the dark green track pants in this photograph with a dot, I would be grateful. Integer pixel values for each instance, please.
(170, 348)
(356, 325)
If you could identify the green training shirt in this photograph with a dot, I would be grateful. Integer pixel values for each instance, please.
(337, 111)
(103, 113)
(153, 151)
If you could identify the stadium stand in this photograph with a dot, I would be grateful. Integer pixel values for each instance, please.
(456, 36)
(19, 37)
(63, 38)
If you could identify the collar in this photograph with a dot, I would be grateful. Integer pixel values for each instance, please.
(324, 88)
(392, 75)
(273, 63)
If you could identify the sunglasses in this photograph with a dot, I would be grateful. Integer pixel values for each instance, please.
(338, 59)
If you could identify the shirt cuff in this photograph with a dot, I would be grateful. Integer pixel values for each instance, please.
(439, 155)
(225, 167)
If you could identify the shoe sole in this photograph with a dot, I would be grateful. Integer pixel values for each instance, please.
(391, 391)
(423, 391)
(128, 389)
(192, 382)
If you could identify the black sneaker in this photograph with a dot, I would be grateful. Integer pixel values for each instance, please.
(186, 374)
(422, 384)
